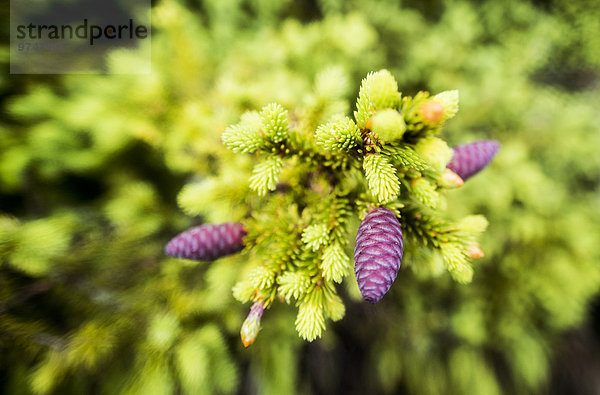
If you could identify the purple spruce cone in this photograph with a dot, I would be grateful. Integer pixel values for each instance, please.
(471, 158)
(207, 242)
(378, 253)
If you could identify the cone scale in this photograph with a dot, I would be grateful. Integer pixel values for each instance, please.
(378, 253)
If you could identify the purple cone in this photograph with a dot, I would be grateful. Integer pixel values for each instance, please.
(207, 242)
(471, 158)
(378, 253)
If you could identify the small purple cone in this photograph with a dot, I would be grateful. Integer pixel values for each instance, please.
(207, 242)
(378, 253)
(471, 158)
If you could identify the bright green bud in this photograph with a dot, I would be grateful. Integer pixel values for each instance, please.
(335, 263)
(261, 277)
(426, 192)
(473, 224)
(378, 90)
(293, 284)
(245, 136)
(388, 124)
(265, 175)
(382, 89)
(340, 135)
(455, 260)
(314, 236)
(333, 306)
(434, 151)
(274, 119)
(310, 320)
(243, 290)
(251, 120)
(449, 100)
(381, 177)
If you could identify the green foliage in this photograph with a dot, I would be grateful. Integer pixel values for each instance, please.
(388, 124)
(341, 135)
(378, 91)
(335, 264)
(245, 136)
(314, 236)
(381, 177)
(435, 152)
(282, 266)
(265, 175)
(274, 119)
(449, 100)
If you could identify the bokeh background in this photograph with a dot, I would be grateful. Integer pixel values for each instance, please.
(91, 167)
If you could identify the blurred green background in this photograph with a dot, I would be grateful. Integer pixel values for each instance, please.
(91, 166)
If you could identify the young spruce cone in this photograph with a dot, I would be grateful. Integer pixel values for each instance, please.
(471, 158)
(378, 253)
(207, 242)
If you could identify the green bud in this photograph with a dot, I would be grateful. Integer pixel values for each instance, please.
(434, 151)
(426, 192)
(377, 91)
(340, 135)
(382, 90)
(473, 224)
(274, 119)
(315, 236)
(449, 100)
(388, 124)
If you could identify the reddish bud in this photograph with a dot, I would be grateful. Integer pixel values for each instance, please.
(432, 112)
(475, 252)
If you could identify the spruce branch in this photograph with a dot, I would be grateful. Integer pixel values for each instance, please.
(343, 170)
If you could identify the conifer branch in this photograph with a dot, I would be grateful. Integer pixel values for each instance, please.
(297, 235)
